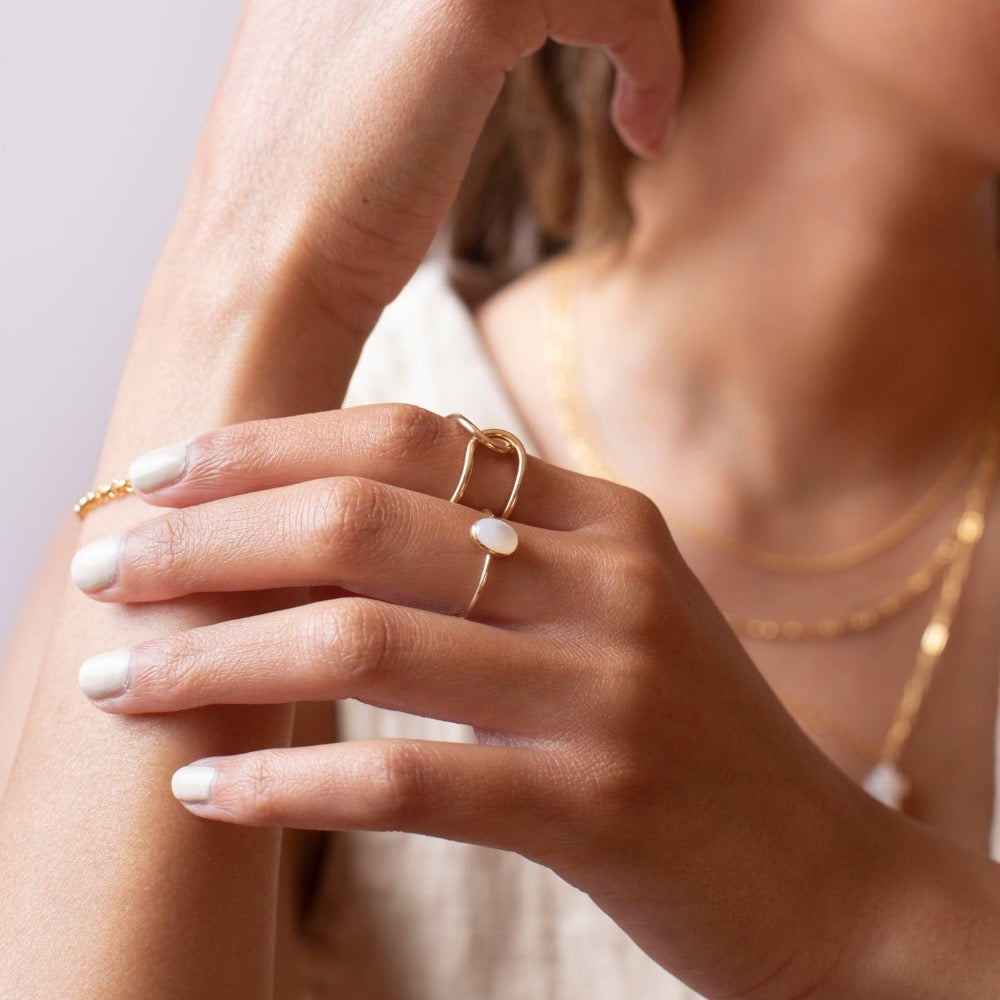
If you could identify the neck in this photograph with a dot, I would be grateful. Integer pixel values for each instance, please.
(809, 269)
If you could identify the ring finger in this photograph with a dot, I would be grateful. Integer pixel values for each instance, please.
(357, 534)
(391, 657)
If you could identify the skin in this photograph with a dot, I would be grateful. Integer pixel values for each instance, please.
(851, 917)
(765, 349)
(296, 268)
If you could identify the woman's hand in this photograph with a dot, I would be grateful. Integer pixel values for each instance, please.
(625, 740)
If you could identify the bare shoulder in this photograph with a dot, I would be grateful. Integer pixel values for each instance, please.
(526, 297)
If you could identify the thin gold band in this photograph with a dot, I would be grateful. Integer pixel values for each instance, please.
(470, 607)
(500, 442)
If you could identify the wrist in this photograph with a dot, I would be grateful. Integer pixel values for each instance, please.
(927, 921)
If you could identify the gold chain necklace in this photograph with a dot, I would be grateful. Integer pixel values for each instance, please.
(592, 460)
(862, 620)
(590, 456)
(885, 781)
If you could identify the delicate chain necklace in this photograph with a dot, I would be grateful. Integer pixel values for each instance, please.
(886, 781)
(590, 456)
(952, 558)
(593, 460)
(861, 620)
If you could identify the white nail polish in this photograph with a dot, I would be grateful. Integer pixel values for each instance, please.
(193, 783)
(157, 468)
(96, 565)
(105, 674)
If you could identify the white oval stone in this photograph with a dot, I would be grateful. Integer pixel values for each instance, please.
(495, 535)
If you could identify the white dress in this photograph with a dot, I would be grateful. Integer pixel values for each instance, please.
(404, 917)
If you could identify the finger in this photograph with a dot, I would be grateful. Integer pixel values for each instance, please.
(643, 41)
(400, 445)
(361, 535)
(391, 657)
(502, 797)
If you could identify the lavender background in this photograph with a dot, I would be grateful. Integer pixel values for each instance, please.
(100, 107)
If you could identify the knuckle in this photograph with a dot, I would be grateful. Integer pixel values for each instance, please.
(353, 642)
(409, 433)
(640, 516)
(232, 452)
(398, 785)
(178, 664)
(256, 788)
(598, 789)
(347, 518)
(622, 784)
(169, 543)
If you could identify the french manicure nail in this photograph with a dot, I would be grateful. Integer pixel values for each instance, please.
(157, 468)
(95, 566)
(193, 783)
(105, 674)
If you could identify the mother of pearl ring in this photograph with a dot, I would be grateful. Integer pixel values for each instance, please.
(494, 535)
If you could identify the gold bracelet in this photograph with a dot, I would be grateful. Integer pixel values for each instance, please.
(114, 490)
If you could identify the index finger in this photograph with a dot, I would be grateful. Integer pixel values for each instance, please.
(397, 444)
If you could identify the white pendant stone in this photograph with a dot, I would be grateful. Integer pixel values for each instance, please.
(495, 535)
(888, 784)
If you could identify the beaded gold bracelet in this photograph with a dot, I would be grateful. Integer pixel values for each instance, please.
(114, 490)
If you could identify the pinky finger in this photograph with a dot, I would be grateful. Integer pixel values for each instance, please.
(491, 795)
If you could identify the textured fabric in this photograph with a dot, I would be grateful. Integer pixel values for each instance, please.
(404, 917)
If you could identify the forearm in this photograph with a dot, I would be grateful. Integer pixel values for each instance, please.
(318, 183)
(109, 888)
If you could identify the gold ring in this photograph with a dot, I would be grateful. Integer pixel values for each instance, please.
(495, 535)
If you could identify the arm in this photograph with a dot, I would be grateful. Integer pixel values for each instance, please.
(301, 850)
(317, 186)
(28, 638)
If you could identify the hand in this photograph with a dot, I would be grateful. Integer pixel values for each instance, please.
(625, 740)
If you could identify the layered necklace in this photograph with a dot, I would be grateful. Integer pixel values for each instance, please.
(948, 566)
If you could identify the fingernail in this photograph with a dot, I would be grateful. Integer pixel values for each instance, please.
(95, 566)
(157, 468)
(105, 674)
(193, 783)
